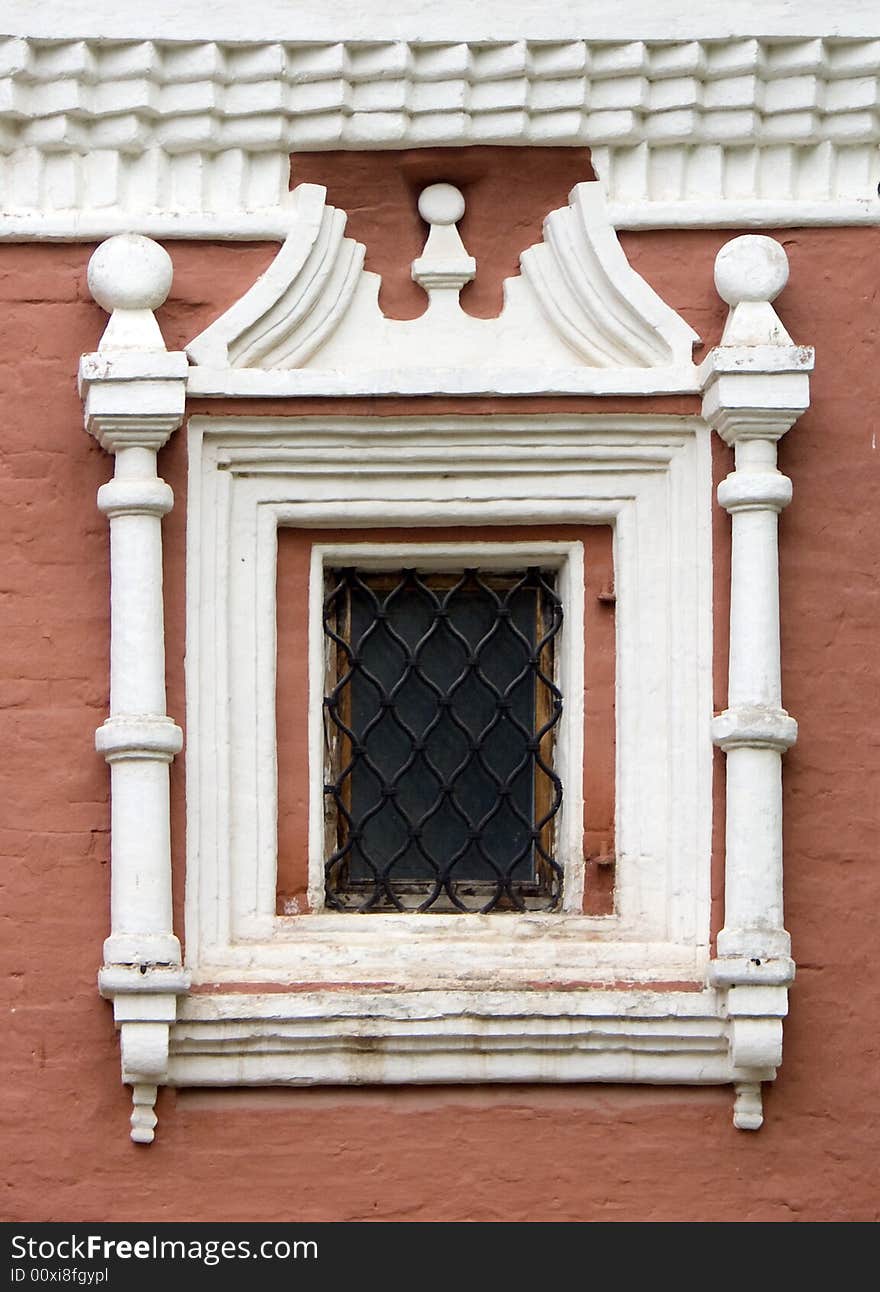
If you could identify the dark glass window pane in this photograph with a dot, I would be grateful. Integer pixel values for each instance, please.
(441, 722)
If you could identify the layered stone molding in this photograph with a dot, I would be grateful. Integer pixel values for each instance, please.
(175, 136)
(577, 320)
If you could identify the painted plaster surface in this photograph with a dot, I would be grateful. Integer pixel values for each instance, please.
(515, 1153)
(697, 117)
(443, 20)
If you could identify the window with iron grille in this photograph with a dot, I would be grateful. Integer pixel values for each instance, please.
(440, 713)
(291, 514)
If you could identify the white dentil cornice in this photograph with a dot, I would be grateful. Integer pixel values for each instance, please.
(182, 125)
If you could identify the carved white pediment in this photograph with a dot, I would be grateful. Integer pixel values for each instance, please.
(577, 320)
(295, 305)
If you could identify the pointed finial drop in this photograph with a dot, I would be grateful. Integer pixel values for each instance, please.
(748, 1110)
(444, 266)
(143, 1116)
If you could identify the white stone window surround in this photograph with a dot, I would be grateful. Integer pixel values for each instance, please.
(648, 476)
(724, 1027)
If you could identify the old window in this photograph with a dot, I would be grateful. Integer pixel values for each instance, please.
(260, 905)
(440, 716)
(306, 993)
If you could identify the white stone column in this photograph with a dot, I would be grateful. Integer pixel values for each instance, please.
(134, 391)
(755, 386)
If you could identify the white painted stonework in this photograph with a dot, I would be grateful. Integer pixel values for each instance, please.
(578, 320)
(649, 477)
(181, 124)
(752, 411)
(636, 996)
(133, 392)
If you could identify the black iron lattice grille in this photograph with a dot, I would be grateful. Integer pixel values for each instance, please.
(440, 718)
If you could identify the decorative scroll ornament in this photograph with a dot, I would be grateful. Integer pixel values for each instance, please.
(605, 312)
(295, 305)
(578, 320)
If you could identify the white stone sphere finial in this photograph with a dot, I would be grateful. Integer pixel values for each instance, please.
(750, 268)
(130, 272)
(444, 266)
(441, 204)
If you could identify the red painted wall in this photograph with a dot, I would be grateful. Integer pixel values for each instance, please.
(513, 1153)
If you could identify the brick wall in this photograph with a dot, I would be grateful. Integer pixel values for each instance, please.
(515, 1153)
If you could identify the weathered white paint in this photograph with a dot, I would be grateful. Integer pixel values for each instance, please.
(272, 224)
(443, 21)
(447, 997)
(756, 386)
(649, 476)
(701, 121)
(601, 1034)
(444, 266)
(133, 391)
(578, 319)
(748, 1108)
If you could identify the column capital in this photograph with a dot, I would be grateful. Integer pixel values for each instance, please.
(133, 389)
(755, 383)
(755, 392)
(133, 399)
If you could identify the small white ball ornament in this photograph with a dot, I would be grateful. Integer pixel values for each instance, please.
(441, 204)
(750, 268)
(130, 272)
